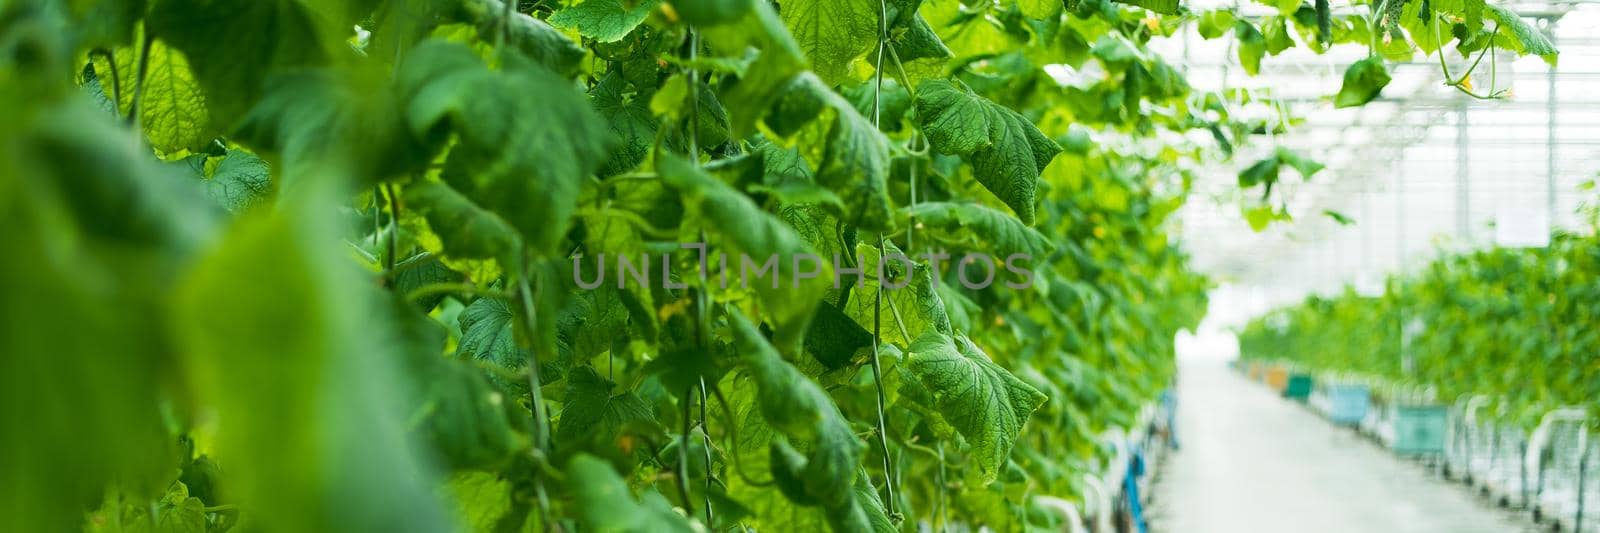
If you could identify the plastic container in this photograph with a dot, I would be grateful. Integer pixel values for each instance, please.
(1419, 429)
(1277, 377)
(1297, 387)
(1348, 403)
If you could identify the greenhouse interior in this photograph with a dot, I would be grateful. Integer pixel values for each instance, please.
(800, 265)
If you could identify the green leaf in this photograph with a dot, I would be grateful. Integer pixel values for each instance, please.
(833, 34)
(308, 416)
(919, 47)
(711, 12)
(480, 500)
(592, 319)
(1306, 166)
(1338, 217)
(914, 294)
(1470, 12)
(1115, 50)
(868, 513)
(534, 38)
(420, 271)
(981, 228)
(800, 410)
(593, 419)
(239, 181)
(893, 101)
(1277, 35)
(1007, 151)
(452, 407)
(630, 120)
(332, 125)
(175, 512)
(466, 230)
(1261, 216)
(1214, 24)
(855, 155)
(834, 338)
(1265, 171)
(604, 20)
(1362, 83)
(1323, 13)
(1039, 9)
(1285, 7)
(604, 502)
(263, 37)
(984, 402)
(107, 231)
(172, 110)
(106, 23)
(1165, 7)
(487, 334)
(738, 222)
(1252, 45)
(779, 61)
(1528, 40)
(526, 140)
(1261, 172)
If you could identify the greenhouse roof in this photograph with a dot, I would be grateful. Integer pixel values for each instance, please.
(1424, 168)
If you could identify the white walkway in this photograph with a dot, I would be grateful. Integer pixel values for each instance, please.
(1254, 463)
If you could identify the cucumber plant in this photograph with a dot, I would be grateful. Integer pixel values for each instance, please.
(1502, 322)
(354, 265)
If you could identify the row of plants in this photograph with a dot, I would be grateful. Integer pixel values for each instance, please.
(1507, 323)
(288, 265)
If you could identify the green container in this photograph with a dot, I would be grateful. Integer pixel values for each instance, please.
(1298, 387)
(1419, 429)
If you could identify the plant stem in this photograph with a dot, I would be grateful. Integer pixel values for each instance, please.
(138, 81)
(683, 454)
(394, 227)
(530, 321)
(943, 523)
(877, 307)
(900, 74)
(877, 382)
(1458, 83)
(705, 438)
(377, 211)
(694, 99)
(702, 329)
(540, 423)
(911, 220)
(894, 309)
(1373, 19)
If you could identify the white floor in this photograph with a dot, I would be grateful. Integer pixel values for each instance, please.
(1252, 462)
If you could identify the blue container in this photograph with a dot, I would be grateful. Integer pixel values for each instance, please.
(1419, 429)
(1347, 404)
